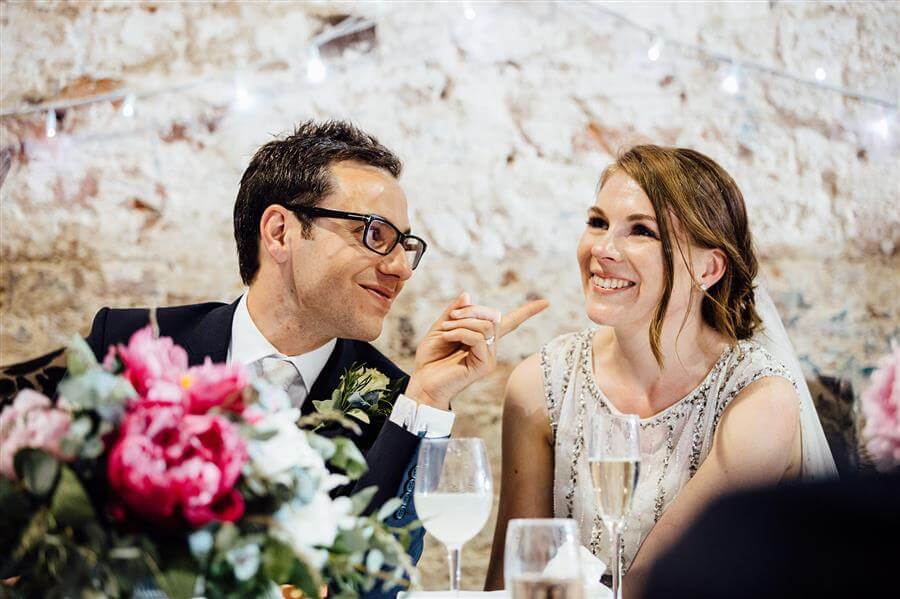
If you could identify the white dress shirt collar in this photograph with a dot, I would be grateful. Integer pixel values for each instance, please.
(249, 345)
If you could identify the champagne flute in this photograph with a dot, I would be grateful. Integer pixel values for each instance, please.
(453, 493)
(540, 559)
(615, 457)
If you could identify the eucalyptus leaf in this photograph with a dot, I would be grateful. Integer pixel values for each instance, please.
(94, 389)
(93, 448)
(351, 541)
(79, 356)
(37, 469)
(282, 564)
(348, 458)
(323, 445)
(71, 505)
(362, 499)
(374, 561)
(227, 537)
(359, 415)
(390, 506)
(79, 430)
(178, 575)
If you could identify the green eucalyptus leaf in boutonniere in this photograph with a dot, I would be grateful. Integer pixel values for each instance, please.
(362, 393)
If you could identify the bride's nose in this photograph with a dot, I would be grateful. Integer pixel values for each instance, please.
(605, 248)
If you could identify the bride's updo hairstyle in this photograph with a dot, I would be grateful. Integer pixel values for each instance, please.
(691, 188)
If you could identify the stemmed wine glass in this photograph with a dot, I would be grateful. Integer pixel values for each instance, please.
(453, 493)
(614, 454)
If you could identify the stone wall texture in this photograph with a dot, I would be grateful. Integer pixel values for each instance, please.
(504, 120)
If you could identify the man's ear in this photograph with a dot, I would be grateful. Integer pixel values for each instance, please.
(714, 267)
(273, 232)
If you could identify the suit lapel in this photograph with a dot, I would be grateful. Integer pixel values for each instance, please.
(211, 335)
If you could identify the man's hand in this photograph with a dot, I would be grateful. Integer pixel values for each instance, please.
(460, 348)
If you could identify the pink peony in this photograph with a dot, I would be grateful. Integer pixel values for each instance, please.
(31, 421)
(212, 385)
(881, 408)
(148, 360)
(167, 463)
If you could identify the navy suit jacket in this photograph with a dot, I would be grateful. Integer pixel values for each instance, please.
(204, 330)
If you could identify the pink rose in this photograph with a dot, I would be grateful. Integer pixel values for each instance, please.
(881, 408)
(148, 359)
(168, 464)
(212, 385)
(31, 421)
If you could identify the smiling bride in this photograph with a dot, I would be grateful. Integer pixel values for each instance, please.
(686, 341)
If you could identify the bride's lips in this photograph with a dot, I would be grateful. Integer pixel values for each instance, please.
(383, 295)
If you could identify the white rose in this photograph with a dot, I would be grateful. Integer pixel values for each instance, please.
(310, 528)
(274, 458)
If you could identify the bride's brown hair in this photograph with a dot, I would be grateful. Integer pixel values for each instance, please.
(705, 200)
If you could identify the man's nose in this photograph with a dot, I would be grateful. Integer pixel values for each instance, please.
(397, 263)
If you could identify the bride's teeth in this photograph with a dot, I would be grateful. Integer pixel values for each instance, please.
(610, 283)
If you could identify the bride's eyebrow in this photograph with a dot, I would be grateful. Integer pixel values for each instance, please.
(641, 217)
(596, 211)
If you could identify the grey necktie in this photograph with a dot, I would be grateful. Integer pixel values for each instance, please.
(283, 374)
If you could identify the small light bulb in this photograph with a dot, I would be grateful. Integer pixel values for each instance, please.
(243, 99)
(468, 11)
(50, 123)
(316, 70)
(820, 74)
(654, 51)
(731, 84)
(882, 127)
(128, 106)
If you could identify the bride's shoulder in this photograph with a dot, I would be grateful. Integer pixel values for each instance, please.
(529, 380)
(565, 344)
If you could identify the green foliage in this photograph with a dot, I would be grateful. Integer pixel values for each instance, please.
(362, 393)
(37, 469)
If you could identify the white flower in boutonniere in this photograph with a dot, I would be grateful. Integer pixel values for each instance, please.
(361, 393)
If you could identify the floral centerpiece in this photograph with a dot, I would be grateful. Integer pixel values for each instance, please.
(881, 409)
(192, 481)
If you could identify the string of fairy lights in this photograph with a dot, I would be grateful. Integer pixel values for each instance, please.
(734, 72)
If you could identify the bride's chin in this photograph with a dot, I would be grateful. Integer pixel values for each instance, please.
(600, 315)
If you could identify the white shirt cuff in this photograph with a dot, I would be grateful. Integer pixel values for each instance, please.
(421, 420)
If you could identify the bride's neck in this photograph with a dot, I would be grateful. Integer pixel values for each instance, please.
(688, 353)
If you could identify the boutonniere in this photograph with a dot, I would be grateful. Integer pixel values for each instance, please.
(361, 393)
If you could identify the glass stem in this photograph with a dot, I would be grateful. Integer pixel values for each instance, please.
(616, 553)
(453, 561)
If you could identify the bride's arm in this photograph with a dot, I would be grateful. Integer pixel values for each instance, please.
(755, 443)
(526, 489)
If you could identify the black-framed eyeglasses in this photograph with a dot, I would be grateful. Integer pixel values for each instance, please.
(381, 235)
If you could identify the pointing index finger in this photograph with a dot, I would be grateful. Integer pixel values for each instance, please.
(512, 320)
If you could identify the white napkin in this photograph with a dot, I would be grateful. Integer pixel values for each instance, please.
(592, 568)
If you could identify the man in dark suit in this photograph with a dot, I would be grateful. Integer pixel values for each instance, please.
(836, 538)
(324, 247)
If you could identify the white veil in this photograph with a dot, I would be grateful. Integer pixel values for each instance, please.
(816, 455)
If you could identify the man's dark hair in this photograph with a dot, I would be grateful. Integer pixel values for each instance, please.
(295, 171)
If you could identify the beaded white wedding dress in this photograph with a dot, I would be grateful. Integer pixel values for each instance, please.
(674, 442)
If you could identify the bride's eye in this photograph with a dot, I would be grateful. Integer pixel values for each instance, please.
(596, 222)
(644, 231)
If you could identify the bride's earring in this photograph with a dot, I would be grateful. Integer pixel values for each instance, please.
(703, 287)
